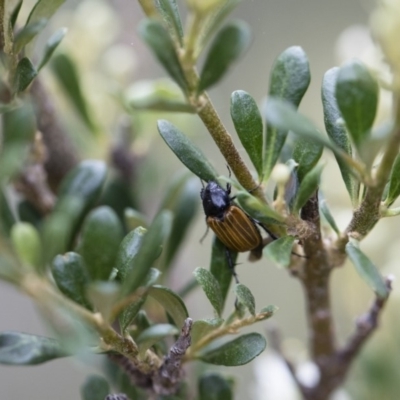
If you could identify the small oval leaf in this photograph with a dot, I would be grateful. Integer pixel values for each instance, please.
(280, 251)
(186, 151)
(25, 73)
(230, 42)
(367, 270)
(154, 334)
(203, 327)
(357, 98)
(210, 287)
(394, 183)
(171, 303)
(289, 80)
(102, 233)
(336, 130)
(246, 298)
(306, 153)
(248, 124)
(149, 251)
(71, 277)
(160, 42)
(308, 187)
(23, 349)
(239, 351)
(170, 13)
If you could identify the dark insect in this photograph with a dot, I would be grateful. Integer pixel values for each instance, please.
(236, 230)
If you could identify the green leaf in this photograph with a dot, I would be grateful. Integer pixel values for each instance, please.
(258, 210)
(211, 288)
(280, 251)
(85, 181)
(128, 251)
(7, 218)
(68, 77)
(336, 130)
(246, 298)
(26, 241)
(367, 270)
(25, 73)
(44, 9)
(24, 349)
(53, 42)
(95, 388)
(239, 351)
(213, 386)
(102, 233)
(71, 277)
(394, 183)
(103, 296)
(171, 303)
(306, 153)
(15, 13)
(308, 187)
(203, 327)
(184, 209)
(134, 219)
(9, 271)
(186, 151)
(289, 80)
(323, 207)
(154, 334)
(160, 42)
(27, 33)
(148, 251)
(267, 312)
(170, 13)
(248, 124)
(228, 45)
(219, 267)
(357, 98)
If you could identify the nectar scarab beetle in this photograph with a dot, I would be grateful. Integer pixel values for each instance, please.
(236, 230)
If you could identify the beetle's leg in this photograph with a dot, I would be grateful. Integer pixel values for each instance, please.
(204, 236)
(231, 265)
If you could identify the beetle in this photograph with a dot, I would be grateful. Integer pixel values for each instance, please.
(233, 227)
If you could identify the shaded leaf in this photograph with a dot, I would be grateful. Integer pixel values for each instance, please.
(289, 80)
(102, 233)
(154, 334)
(367, 270)
(148, 251)
(357, 98)
(248, 124)
(25, 73)
(67, 75)
(306, 153)
(44, 9)
(246, 298)
(186, 151)
(7, 218)
(394, 183)
(213, 386)
(160, 42)
(95, 387)
(230, 42)
(18, 348)
(239, 351)
(203, 327)
(308, 187)
(219, 267)
(211, 288)
(171, 303)
(128, 251)
(280, 251)
(27, 33)
(52, 43)
(26, 241)
(327, 213)
(170, 13)
(71, 277)
(15, 13)
(103, 295)
(336, 130)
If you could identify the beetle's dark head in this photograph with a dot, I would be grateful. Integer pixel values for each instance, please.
(216, 200)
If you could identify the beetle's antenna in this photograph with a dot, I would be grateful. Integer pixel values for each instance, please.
(204, 236)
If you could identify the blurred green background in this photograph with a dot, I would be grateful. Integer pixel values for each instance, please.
(102, 39)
